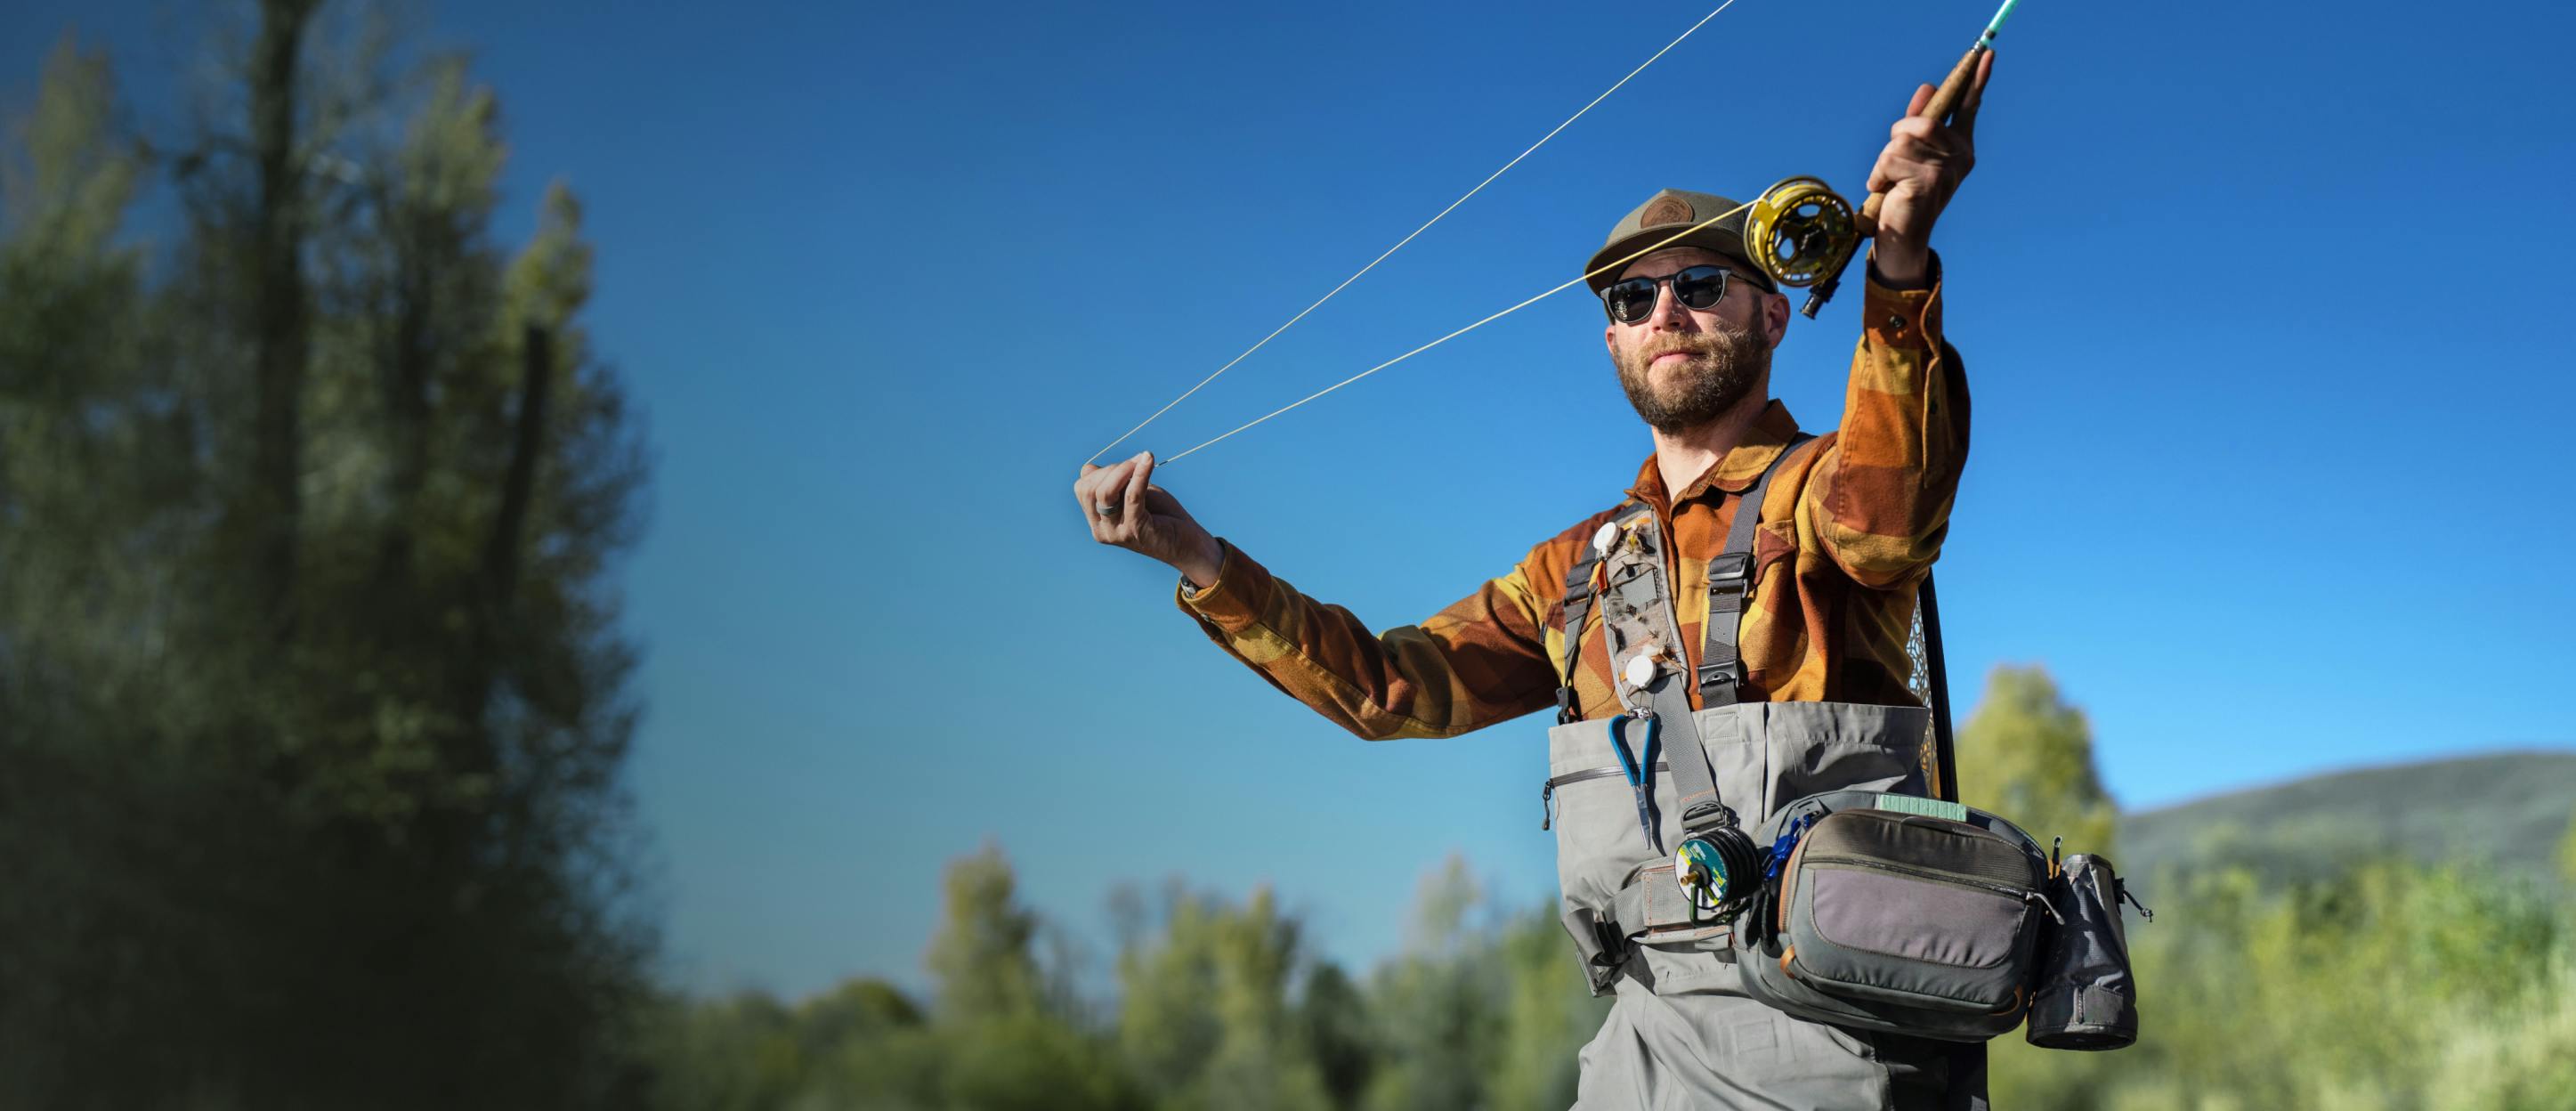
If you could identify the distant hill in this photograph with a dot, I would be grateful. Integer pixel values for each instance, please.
(2508, 809)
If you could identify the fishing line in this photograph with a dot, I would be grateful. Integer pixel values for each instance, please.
(1399, 245)
(1604, 269)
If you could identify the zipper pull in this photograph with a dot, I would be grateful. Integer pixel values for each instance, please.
(2044, 904)
(2126, 896)
(1546, 804)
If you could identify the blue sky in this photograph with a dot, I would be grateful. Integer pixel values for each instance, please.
(2261, 308)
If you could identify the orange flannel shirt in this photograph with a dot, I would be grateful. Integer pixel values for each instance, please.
(1850, 525)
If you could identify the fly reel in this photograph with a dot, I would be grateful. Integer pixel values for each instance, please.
(1802, 233)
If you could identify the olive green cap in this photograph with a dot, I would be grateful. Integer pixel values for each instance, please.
(1666, 214)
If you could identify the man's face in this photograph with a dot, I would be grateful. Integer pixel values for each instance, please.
(1683, 367)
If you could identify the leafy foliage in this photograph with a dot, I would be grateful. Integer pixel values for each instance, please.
(312, 702)
(2386, 985)
(2028, 755)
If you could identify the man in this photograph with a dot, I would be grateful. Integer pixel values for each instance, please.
(1848, 525)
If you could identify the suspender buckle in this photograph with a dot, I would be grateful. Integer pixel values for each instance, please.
(1731, 571)
(1724, 673)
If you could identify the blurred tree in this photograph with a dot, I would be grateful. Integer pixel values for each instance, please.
(2567, 856)
(982, 957)
(1549, 1014)
(1335, 1020)
(1439, 1006)
(1208, 1021)
(2028, 755)
(312, 703)
(1000, 1038)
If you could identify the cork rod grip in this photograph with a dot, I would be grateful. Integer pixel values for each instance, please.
(1943, 100)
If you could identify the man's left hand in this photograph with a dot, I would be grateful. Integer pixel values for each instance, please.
(1923, 164)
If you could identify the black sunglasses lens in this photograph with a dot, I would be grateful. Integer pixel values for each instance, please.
(1629, 301)
(1700, 287)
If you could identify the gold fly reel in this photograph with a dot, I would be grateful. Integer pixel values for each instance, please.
(1801, 232)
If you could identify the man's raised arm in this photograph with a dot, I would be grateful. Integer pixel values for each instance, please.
(1879, 499)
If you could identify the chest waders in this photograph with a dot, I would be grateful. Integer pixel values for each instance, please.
(1684, 1032)
(1785, 917)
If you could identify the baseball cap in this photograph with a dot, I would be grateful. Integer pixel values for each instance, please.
(1666, 214)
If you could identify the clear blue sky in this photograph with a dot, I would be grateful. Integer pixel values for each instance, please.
(2262, 308)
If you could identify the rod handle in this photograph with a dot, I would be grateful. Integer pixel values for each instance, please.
(1944, 99)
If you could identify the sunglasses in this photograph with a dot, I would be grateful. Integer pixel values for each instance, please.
(1697, 287)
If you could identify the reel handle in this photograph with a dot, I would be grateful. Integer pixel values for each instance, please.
(1943, 101)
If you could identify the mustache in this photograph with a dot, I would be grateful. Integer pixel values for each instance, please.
(1697, 344)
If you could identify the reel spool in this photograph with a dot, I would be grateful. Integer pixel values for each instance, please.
(1717, 868)
(1802, 233)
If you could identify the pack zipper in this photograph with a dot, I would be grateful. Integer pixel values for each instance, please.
(1547, 792)
(2022, 894)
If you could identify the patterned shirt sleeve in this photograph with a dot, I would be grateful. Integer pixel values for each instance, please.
(1481, 660)
(1878, 502)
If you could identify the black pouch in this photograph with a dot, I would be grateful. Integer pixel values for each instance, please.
(2086, 997)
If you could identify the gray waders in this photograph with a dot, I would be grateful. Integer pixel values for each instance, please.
(1682, 1033)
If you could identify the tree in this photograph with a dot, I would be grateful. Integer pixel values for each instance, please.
(312, 698)
(2027, 755)
(1439, 1005)
(982, 957)
(1208, 1020)
(2567, 856)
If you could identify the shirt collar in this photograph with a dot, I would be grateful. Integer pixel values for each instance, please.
(1736, 470)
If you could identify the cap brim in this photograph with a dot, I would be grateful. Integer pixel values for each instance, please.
(1725, 237)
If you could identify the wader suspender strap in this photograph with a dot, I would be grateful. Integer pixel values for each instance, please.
(1730, 583)
(1721, 671)
(1579, 596)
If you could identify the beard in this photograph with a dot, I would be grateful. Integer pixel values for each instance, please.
(1722, 367)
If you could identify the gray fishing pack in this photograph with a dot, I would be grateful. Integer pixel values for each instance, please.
(1789, 852)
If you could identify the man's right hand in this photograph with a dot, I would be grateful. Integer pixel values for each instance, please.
(1144, 518)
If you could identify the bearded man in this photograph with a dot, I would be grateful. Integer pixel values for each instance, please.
(1847, 526)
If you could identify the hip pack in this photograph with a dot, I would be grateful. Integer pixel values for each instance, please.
(1898, 913)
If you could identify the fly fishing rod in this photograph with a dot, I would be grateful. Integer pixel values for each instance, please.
(1805, 234)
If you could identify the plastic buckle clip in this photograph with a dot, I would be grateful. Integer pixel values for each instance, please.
(1731, 571)
(1720, 673)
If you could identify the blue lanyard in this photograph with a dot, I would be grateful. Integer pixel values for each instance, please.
(1641, 773)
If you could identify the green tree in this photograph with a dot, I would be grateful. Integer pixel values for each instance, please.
(2567, 857)
(1549, 1014)
(983, 957)
(1439, 1006)
(2027, 754)
(312, 700)
(1208, 1020)
(1334, 1019)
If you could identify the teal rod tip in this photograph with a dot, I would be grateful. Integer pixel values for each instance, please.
(1997, 23)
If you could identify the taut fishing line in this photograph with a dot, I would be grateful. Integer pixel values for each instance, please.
(1799, 232)
(1399, 245)
(1604, 269)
